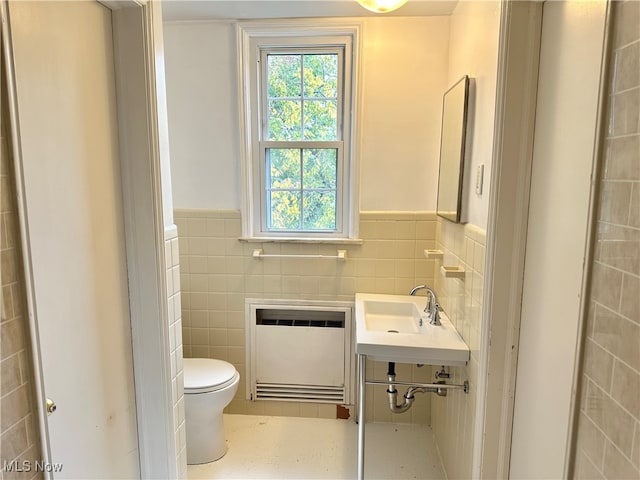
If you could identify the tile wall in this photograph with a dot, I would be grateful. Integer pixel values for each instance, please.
(608, 436)
(19, 435)
(218, 273)
(172, 260)
(453, 416)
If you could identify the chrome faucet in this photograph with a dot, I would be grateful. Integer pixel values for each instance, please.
(417, 288)
(432, 309)
(435, 316)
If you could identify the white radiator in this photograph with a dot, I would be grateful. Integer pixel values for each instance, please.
(299, 351)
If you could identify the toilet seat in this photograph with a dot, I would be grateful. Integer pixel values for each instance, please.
(204, 375)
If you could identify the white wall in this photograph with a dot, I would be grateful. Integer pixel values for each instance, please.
(200, 61)
(161, 105)
(572, 40)
(473, 51)
(405, 74)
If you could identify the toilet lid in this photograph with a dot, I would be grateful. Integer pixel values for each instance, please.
(206, 374)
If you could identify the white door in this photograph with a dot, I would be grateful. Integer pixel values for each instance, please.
(67, 120)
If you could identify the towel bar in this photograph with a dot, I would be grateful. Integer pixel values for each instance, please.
(258, 253)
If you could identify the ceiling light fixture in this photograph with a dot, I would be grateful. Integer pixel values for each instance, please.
(382, 6)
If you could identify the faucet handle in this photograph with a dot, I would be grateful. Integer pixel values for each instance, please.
(435, 318)
(431, 299)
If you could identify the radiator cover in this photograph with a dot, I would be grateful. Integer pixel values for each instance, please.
(299, 351)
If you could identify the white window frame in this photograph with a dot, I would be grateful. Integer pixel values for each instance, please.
(253, 38)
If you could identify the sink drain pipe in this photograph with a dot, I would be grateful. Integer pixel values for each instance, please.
(409, 396)
(393, 393)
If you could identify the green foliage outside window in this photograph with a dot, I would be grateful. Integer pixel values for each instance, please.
(302, 105)
(302, 96)
(301, 189)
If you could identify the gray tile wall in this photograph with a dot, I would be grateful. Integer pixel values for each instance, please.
(608, 436)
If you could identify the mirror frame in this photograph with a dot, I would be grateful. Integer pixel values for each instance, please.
(455, 164)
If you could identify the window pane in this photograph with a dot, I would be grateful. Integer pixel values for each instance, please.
(284, 120)
(283, 167)
(283, 76)
(284, 210)
(321, 76)
(320, 168)
(320, 120)
(302, 96)
(319, 211)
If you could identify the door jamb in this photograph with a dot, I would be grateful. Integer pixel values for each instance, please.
(14, 135)
(591, 240)
(518, 62)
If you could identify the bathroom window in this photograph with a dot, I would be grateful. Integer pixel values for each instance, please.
(298, 125)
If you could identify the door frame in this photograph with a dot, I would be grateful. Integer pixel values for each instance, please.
(591, 240)
(516, 95)
(516, 102)
(140, 147)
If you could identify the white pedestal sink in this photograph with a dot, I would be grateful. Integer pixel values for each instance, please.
(394, 328)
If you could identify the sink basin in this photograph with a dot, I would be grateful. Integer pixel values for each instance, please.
(393, 317)
(394, 328)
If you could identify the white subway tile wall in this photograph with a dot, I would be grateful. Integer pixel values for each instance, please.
(172, 258)
(19, 434)
(218, 272)
(608, 436)
(453, 416)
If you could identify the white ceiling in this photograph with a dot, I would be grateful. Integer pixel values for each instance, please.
(245, 9)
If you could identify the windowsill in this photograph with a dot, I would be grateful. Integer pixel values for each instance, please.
(324, 241)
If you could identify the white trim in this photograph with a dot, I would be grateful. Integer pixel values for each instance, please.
(249, 35)
(321, 241)
(205, 213)
(520, 31)
(591, 240)
(170, 232)
(202, 21)
(115, 5)
(34, 335)
(397, 215)
(144, 235)
(134, 53)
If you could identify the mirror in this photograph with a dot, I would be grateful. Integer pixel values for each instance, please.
(452, 148)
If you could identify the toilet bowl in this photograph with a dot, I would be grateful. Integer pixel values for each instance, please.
(209, 386)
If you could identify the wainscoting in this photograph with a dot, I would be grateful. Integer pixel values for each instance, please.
(218, 273)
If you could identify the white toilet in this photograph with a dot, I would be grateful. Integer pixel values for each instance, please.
(209, 386)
